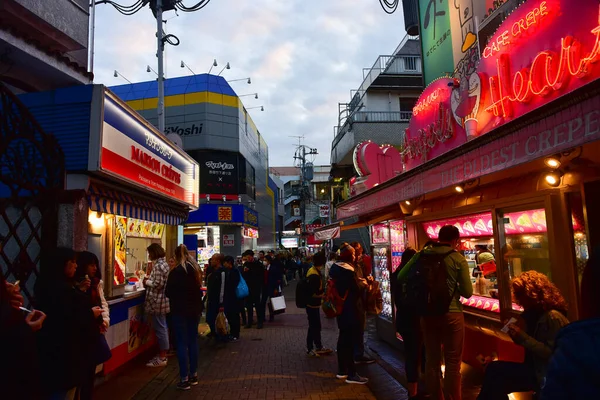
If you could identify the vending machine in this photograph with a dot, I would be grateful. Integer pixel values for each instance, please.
(380, 250)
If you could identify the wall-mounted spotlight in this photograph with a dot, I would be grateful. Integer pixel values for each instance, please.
(208, 197)
(553, 161)
(552, 178)
(407, 202)
(461, 187)
(224, 199)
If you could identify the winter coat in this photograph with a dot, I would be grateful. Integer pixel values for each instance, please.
(183, 291)
(315, 283)
(344, 276)
(574, 370)
(67, 335)
(539, 340)
(229, 301)
(274, 277)
(156, 301)
(254, 275)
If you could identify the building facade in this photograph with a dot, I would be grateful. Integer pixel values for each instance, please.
(215, 128)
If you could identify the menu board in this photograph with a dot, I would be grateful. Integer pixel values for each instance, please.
(144, 229)
(382, 275)
(120, 250)
(533, 221)
(380, 234)
(486, 303)
(397, 243)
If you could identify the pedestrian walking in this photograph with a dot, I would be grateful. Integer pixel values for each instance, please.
(215, 296)
(184, 291)
(87, 270)
(442, 321)
(314, 344)
(254, 274)
(347, 284)
(408, 324)
(66, 338)
(230, 301)
(575, 365)
(544, 315)
(362, 270)
(272, 284)
(157, 304)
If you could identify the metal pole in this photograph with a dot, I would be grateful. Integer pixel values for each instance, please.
(303, 193)
(91, 37)
(161, 76)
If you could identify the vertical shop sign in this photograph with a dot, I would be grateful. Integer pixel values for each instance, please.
(435, 39)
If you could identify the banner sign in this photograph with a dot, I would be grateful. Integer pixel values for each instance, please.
(133, 152)
(329, 233)
(435, 38)
(324, 211)
(572, 127)
(224, 214)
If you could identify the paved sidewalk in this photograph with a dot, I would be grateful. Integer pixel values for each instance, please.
(265, 364)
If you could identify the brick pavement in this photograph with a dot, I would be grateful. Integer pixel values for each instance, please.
(265, 364)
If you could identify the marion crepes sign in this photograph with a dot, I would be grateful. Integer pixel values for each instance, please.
(574, 126)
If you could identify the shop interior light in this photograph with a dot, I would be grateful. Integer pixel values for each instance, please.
(552, 178)
(553, 161)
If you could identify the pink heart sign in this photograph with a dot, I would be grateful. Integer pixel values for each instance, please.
(375, 164)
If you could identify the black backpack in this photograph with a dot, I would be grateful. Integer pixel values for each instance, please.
(302, 293)
(425, 289)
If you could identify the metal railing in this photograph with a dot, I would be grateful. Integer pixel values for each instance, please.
(390, 65)
(381, 116)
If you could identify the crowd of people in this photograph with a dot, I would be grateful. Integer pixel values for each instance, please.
(61, 342)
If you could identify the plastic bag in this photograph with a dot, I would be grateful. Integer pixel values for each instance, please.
(242, 291)
(221, 324)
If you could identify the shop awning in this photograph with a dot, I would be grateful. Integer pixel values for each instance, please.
(107, 200)
(328, 232)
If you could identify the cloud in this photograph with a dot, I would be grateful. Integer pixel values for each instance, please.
(304, 57)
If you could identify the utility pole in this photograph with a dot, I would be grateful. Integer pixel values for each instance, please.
(301, 153)
(161, 74)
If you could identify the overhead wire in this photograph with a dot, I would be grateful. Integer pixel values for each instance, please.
(389, 6)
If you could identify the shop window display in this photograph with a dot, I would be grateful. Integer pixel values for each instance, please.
(380, 239)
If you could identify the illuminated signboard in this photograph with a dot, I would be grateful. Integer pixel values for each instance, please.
(132, 151)
(542, 51)
(432, 130)
(374, 164)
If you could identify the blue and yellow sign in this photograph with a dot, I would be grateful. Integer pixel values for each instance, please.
(224, 214)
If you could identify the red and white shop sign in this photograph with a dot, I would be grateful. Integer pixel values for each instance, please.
(374, 164)
(432, 130)
(133, 152)
(541, 52)
(572, 127)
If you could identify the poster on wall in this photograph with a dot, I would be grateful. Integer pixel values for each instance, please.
(435, 39)
(120, 250)
(228, 240)
(139, 328)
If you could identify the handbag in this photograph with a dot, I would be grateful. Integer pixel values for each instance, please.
(278, 305)
(221, 324)
(242, 291)
(102, 350)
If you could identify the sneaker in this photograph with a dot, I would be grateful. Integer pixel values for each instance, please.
(312, 354)
(341, 376)
(323, 350)
(364, 360)
(357, 379)
(157, 362)
(184, 385)
(193, 380)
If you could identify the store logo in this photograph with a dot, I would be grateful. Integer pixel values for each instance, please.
(189, 131)
(219, 165)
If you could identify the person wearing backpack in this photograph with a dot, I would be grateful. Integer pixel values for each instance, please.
(346, 284)
(433, 282)
(314, 298)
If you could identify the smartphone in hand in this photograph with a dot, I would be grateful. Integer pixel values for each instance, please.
(505, 327)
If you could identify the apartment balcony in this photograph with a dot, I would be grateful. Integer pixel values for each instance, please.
(393, 72)
(377, 126)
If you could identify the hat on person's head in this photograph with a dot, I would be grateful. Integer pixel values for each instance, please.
(485, 258)
(248, 253)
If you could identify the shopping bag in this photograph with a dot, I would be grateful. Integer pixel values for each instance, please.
(242, 291)
(221, 324)
(374, 304)
(278, 305)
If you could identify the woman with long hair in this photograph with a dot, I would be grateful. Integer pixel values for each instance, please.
(157, 304)
(88, 273)
(69, 330)
(544, 315)
(408, 325)
(185, 295)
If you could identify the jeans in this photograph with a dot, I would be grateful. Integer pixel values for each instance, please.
(408, 325)
(504, 377)
(253, 302)
(359, 344)
(314, 328)
(186, 334)
(345, 350)
(242, 307)
(447, 331)
(159, 323)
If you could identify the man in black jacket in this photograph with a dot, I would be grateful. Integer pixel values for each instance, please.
(253, 273)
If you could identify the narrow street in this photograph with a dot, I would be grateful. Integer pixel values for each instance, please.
(265, 364)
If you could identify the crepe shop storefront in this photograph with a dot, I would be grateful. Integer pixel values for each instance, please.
(513, 162)
(132, 188)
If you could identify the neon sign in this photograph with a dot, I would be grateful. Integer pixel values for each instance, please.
(518, 29)
(547, 73)
(374, 164)
(427, 102)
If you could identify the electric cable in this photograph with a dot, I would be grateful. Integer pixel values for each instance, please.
(389, 6)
